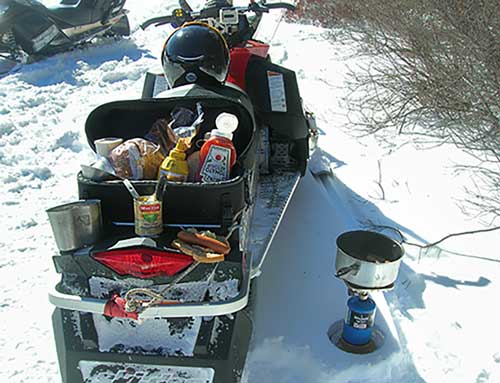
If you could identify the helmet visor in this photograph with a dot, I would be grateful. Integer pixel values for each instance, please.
(197, 49)
(173, 72)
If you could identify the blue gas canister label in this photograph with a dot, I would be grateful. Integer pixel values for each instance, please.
(360, 321)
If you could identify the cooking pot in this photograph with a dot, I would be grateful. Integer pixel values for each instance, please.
(368, 259)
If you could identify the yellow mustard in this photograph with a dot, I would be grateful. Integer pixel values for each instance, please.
(175, 166)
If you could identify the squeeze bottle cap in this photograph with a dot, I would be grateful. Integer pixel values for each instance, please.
(180, 149)
(226, 124)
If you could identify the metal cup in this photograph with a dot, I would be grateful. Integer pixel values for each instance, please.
(76, 224)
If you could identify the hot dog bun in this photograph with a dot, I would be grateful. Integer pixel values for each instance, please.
(218, 244)
(198, 253)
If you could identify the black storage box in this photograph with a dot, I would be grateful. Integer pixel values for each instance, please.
(183, 203)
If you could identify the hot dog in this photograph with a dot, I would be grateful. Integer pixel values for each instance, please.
(198, 253)
(207, 240)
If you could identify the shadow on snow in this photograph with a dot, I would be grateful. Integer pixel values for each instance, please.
(62, 67)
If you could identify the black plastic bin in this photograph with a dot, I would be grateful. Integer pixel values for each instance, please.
(183, 203)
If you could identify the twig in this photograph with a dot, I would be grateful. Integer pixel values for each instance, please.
(452, 235)
(379, 182)
(403, 240)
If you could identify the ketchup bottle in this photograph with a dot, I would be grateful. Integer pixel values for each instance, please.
(218, 155)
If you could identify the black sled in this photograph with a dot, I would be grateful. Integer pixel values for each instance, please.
(29, 30)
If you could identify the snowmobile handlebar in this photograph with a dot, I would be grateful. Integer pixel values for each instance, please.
(158, 21)
(287, 6)
(180, 16)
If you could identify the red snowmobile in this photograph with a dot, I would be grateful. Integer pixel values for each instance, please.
(130, 308)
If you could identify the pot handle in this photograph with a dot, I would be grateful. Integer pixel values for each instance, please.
(346, 270)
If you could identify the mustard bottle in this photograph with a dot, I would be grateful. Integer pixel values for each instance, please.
(175, 166)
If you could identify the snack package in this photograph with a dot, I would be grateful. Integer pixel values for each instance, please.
(162, 134)
(183, 123)
(136, 159)
(182, 117)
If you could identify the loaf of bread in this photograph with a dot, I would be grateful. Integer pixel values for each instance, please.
(136, 159)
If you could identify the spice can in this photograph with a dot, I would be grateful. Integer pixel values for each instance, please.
(148, 216)
(103, 146)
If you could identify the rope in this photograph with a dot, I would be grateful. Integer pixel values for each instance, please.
(132, 304)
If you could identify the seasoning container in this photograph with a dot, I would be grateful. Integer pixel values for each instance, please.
(148, 219)
(148, 216)
(103, 146)
(218, 154)
(175, 166)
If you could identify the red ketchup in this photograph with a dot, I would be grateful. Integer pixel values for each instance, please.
(218, 155)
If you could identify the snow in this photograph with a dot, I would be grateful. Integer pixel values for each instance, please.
(439, 321)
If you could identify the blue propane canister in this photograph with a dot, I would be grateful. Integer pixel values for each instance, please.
(358, 325)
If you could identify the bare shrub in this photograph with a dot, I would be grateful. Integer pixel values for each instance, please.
(432, 72)
(325, 13)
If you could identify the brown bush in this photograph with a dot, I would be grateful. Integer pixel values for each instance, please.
(323, 12)
(433, 71)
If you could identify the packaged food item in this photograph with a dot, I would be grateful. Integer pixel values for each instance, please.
(193, 161)
(182, 117)
(136, 159)
(148, 219)
(175, 166)
(162, 134)
(190, 130)
(218, 154)
(148, 216)
(103, 146)
(183, 123)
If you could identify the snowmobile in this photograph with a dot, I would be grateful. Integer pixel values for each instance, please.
(130, 308)
(30, 30)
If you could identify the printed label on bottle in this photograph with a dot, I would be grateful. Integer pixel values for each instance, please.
(216, 165)
(360, 321)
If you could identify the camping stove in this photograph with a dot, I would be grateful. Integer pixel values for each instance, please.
(357, 333)
(366, 261)
(359, 320)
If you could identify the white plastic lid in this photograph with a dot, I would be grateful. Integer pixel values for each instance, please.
(226, 124)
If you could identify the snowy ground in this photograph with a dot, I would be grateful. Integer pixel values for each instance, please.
(441, 315)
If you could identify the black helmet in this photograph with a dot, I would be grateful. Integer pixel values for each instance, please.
(195, 53)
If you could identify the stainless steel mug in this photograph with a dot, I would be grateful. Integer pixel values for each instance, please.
(76, 224)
